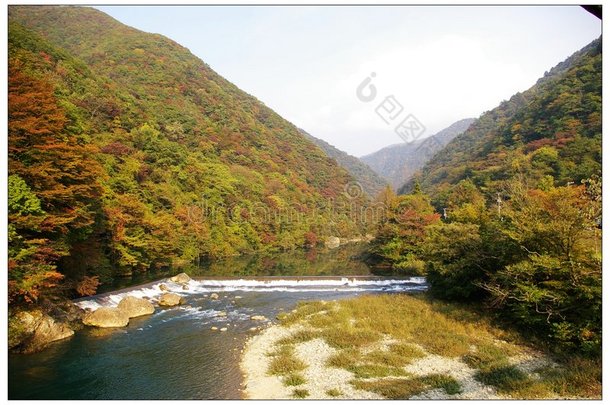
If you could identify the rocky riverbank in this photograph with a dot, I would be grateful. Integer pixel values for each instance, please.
(33, 330)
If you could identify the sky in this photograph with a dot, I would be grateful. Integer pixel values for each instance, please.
(429, 65)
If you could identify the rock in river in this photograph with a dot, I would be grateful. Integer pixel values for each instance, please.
(181, 278)
(31, 332)
(163, 287)
(170, 300)
(134, 307)
(258, 318)
(106, 317)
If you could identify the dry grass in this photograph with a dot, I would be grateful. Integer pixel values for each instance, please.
(334, 393)
(300, 393)
(355, 328)
(294, 379)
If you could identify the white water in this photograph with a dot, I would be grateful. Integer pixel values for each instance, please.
(201, 287)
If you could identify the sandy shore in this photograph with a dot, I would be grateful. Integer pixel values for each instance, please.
(320, 378)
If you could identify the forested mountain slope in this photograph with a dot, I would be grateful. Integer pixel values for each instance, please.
(550, 133)
(370, 181)
(397, 163)
(126, 152)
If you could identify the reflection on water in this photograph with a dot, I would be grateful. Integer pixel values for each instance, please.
(174, 353)
(343, 261)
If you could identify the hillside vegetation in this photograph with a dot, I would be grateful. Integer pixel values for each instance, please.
(520, 198)
(371, 182)
(126, 153)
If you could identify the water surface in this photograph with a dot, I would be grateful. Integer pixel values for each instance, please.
(174, 353)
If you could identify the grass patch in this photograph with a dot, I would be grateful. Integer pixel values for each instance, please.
(342, 338)
(300, 393)
(294, 379)
(402, 388)
(487, 357)
(302, 311)
(392, 389)
(299, 337)
(344, 359)
(445, 382)
(284, 362)
(375, 371)
(334, 393)
(578, 378)
(506, 379)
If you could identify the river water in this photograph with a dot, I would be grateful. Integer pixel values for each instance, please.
(174, 353)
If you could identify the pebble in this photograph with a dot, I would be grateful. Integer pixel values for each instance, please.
(223, 329)
(214, 328)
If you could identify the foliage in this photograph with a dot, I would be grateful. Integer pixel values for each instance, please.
(142, 157)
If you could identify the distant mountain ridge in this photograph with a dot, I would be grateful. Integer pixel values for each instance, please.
(371, 182)
(398, 163)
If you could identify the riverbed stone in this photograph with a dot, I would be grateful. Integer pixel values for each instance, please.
(214, 296)
(181, 278)
(106, 317)
(332, 242)
(170, 300)
(163, 287)
(258, 318)
(134, 307)
(185, 287)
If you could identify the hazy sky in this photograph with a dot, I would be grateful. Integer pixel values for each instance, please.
(441, 64)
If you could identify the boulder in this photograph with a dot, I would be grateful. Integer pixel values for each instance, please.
(134, 307)
(332, 242)
(170, 300)
(181, 278)
(106, 317)
(213, 296)
(32, 331)
(46, 331)
(258, 318)
(185, 287)
(163, 287)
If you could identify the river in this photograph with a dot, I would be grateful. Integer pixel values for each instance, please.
(174, 353)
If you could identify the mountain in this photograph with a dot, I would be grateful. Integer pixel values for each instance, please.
(397, 163)
(370, 181)
(550, 133)
(128, 153)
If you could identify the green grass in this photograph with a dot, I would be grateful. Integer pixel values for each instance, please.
(334, 393)
(576, 378)
(506, 379)
(486, 357)
(402, 388)
(343, 338)
(284, 362)
(299, 337)
(344, 358)
(294, 379)
(300, 393)
(392, 389)
(447, 383)
(375, 371)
